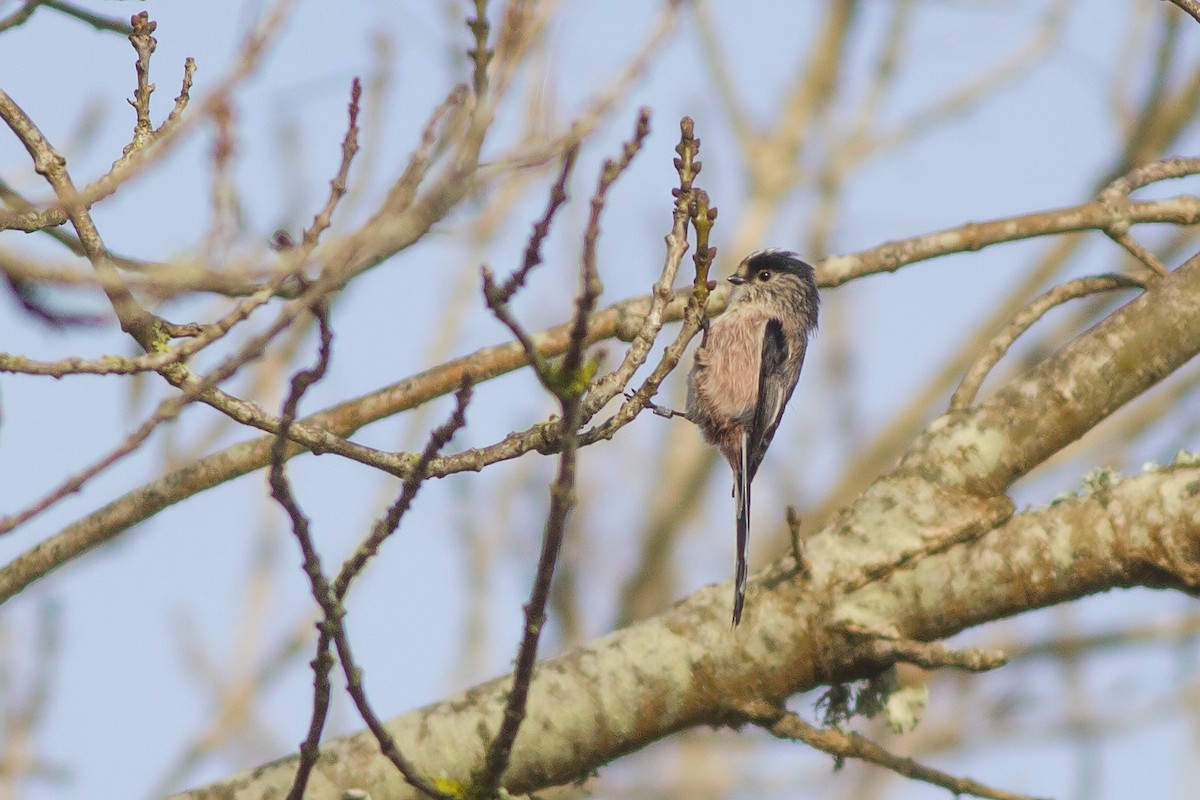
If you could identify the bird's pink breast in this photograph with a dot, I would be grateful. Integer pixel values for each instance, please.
(731, 360)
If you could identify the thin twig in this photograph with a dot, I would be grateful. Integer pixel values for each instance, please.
(168, 135)
(323, 662)
(1190, 6)
(646, 333)
(481, 55)
(328, 596)
(541, 229)
(83, 15)
(167, 410)
(281, 491)
(839, 744)
(1121, 236)
(337, 186)
(144, 43)
(1119, 190)
(181, 100)
(149, 329)
(387, 744)
(692, 205)
(418, 473)
(20, 16)
(378, 84)
(315, 439)
(621, 320)
(151, 362)
(135, 320)
(568, 382)
(403, 192)
(498, 295)
(562, 501)
(975, 375)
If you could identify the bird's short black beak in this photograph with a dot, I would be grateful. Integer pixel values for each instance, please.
(736, 280)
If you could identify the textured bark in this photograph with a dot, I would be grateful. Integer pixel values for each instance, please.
(928, 550)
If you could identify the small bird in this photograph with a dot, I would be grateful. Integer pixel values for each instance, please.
(746, 368)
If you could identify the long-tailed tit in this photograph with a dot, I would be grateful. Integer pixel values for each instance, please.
(745, 371)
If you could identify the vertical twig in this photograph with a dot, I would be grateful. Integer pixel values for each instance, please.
(480, 53)
(568, 381)
(331, 631)
(331, 609)
(143, 41)
(329, 596)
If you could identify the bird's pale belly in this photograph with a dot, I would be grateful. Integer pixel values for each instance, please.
(731, 360)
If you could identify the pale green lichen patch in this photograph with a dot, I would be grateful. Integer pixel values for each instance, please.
(967, 451)
(614, 682)
(904, 707)
(866, 619)
(1099, 479)
(940, 423)
(988, 561)
(1061, 549)
(1177, 495)
(1061, 497)
(1186, 458)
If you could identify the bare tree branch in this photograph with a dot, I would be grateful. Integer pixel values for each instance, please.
(329, 427)
(842, 745)
(865, 581)
(1189, 6)
(652, 687)
(964, 395)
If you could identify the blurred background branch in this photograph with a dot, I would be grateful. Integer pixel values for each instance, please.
(944, 164)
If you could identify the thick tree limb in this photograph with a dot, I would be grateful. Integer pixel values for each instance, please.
(877, 572)
(620, 321)
(683, 668)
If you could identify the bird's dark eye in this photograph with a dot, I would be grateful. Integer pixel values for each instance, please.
(764, 274)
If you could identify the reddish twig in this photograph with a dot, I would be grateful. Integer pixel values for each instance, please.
(568, 382)
(167, 410)
(621, 320)
(332, 632)
(25, 292)
(497, 295)
(329, 596)
(281, 491)
(337, 186)
(541, 228)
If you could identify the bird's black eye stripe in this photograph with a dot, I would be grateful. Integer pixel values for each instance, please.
(764, 274)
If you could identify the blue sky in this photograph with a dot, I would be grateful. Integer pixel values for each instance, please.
(123, 701)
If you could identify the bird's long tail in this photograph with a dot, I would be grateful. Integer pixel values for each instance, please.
(741, 494)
